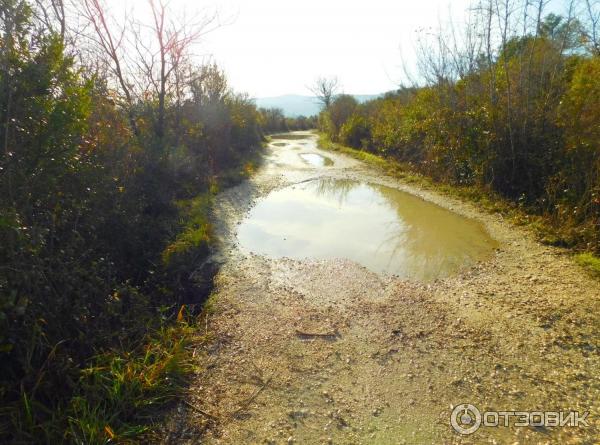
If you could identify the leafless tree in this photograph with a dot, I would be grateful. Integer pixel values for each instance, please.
(109, 36)
(504, 10)
(325, 89)
(52, 14)
(147, 59)
(592, 9)
(163, 61)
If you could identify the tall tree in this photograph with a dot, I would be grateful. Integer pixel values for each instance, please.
(325, 89)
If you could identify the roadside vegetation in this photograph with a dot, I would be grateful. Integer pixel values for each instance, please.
(508, 114)
(273, 120)
(590, 262)
(113, 145)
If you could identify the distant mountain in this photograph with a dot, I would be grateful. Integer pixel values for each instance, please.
(294, 105)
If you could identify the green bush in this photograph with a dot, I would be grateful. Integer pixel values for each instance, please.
(355, 132)
(590, 262)
(103, 220)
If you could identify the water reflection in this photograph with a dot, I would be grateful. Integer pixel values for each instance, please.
(382, 228)
(316, 160)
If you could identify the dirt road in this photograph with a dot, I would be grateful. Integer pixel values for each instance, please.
(318, 352)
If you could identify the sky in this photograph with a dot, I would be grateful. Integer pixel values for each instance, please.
(275, 47)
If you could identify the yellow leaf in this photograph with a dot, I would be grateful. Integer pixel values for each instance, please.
(180, 314)
(109, 432)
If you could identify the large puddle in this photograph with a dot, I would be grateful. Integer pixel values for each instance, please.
(382, 228)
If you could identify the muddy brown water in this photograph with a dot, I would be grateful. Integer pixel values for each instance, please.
(384, 229)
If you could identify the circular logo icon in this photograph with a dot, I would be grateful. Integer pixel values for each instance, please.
(465, 419)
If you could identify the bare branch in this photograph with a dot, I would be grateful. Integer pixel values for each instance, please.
(325, 90)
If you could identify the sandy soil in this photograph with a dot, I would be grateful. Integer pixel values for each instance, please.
(319, 352)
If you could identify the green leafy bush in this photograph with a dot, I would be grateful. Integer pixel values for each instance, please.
(103, 220)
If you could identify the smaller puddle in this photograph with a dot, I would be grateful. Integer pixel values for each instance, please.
(290, 136)
(279, 144)
(316, 160)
